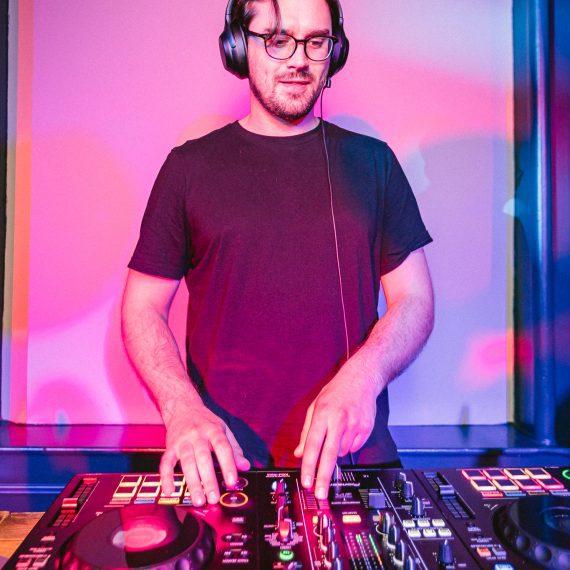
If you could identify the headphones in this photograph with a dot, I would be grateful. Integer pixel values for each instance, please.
(233, 43)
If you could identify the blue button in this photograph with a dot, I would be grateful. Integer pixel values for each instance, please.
(504, 567)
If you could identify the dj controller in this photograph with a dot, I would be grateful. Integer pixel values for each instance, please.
(443, 519)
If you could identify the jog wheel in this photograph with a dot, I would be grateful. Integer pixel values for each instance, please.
(538, 528)
(140, 536)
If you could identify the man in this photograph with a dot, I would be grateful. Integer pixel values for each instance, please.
(283, 243)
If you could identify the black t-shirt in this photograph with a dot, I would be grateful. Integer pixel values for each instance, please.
(246, 219)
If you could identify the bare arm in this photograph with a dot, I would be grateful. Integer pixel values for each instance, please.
(342, 416)
(192, 431)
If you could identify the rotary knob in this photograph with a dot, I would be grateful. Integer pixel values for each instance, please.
(401, 552)
(322, 522)
(393, 536)
(445, 556)
(332, 551)
(386, 523)
(327, 538)
(408, 490)
(400, 480)
(418, 509)
(410, 563)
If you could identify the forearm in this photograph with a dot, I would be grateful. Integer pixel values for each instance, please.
(154, 353)
(395, 340)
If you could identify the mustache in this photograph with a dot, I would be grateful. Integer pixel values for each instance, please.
(300, 75)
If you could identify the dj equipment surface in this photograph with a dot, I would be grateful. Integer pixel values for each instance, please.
(394, 519)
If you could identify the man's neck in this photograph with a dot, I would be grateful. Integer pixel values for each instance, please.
(263, 123)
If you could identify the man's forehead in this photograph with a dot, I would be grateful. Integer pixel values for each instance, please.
(307, 16)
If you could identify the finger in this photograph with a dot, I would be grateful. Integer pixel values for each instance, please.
(329, 456)
(242, 463)
(300, 449)
(193, 481)
(346, 443)
(313, 444)
(225, 455)
(207, 473)
(166, 469)
(358, 442)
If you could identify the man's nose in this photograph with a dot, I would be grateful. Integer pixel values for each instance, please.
(299, 58)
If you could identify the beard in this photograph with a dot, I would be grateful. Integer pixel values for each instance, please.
(292, 106)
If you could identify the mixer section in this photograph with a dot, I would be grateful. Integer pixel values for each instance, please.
(499, 519)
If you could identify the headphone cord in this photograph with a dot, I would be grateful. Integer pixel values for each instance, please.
(339, 272)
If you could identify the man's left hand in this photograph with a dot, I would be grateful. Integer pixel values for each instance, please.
(339, 420)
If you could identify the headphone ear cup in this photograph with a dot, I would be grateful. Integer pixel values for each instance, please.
(339, 55)
(233, 50)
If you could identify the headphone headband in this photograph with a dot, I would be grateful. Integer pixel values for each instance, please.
(233, 43)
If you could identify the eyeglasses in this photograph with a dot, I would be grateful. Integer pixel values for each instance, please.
(283, 46)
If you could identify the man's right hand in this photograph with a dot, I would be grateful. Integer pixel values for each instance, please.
(191, 438)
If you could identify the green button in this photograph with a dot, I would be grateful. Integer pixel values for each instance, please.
(566, 473)
(286, 555)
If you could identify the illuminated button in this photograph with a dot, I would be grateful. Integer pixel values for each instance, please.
(528, 484)
(551, 484)
(168, 500)
(473, 474)
(233, 500)
(124, 492)
(152, 479)
(537, 473)
(414, 533)
(438, 522)
(494, 473)
(444, 532)
(429, 533)
(566, 473)
(483, 552)
(286, 555)
(491, 494)
(503, 566)
(409, 523)
(130, 481)
(499, 551)
(516, 473)
(482, 485)
(351, 519)
(505, 485)
(149, 491)
(423, 523)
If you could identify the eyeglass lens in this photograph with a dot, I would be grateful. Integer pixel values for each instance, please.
(283, 46)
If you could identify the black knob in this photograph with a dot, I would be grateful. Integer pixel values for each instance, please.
(400, 480)
(327, 537)
(281, 488)
(401, 551)
(410, 563)
(322, 523)
(393, 536)
(417, 507)
(332, 551)
(386, 523)
(336, 564)
(445, 554)
(408, 490)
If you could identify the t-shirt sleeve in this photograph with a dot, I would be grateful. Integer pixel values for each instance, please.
(403, 230)
(163, 246)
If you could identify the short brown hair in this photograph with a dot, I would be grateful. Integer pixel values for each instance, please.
(244, 11)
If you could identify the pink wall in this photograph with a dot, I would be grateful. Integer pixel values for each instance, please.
(105, 89)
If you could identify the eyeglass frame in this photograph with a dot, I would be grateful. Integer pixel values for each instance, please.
(265, 37)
